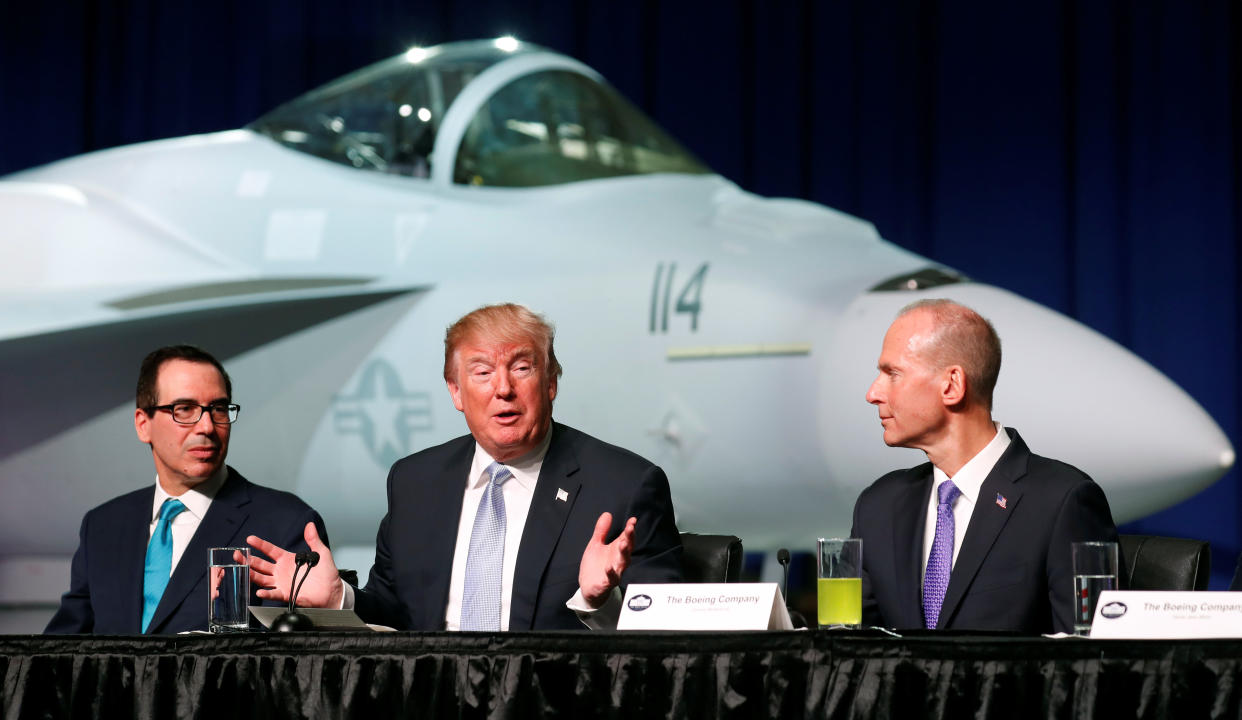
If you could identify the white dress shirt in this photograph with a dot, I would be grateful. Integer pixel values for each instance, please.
(968, 479)
(196, 502)
(518, 492)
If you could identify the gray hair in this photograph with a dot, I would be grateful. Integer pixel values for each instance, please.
(963, 337)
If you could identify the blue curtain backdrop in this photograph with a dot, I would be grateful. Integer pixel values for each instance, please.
(1084, 154)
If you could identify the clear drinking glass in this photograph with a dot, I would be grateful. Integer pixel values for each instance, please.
(840, 582)
(228, 589)
(1095, 569)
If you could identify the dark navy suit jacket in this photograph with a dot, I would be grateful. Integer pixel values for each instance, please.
(409, 583)
(105, 588)
(1013, 571)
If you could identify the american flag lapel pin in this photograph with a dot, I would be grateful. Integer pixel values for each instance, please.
(1001, 501)
(564, 496)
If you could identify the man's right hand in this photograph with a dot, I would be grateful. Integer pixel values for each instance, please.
(322, 589)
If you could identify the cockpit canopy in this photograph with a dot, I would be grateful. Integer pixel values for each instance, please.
(545, 127)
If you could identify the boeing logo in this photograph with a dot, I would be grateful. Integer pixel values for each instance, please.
(383, 413)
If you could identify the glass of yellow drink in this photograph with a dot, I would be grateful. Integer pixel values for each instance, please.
(840, 582)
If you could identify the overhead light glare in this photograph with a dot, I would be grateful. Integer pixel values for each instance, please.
(415, 55)
(507, 43)
(405, 110)
(424, 114)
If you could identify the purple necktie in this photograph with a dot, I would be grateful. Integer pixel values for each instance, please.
(940, 561)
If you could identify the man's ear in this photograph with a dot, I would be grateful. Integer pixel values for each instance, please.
(953, 390)
(552, 389)
(455, 391)
(142, 425)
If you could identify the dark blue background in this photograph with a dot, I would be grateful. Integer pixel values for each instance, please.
(1084, 154)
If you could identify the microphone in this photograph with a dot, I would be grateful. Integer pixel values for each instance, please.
(782, 557)
(292, 620)
(795, 617)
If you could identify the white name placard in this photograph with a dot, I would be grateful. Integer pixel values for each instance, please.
(1151, 615)
(704, 606)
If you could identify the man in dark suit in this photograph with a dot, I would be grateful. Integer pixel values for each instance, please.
(520, 525)
(141, 563)
(979, 537)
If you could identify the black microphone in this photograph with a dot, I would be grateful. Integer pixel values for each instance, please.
(782, 557)
(293, 621)
(795, 617)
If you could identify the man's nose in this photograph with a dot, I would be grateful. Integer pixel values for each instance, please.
(205, 424)
(873, 395)
(503, 383)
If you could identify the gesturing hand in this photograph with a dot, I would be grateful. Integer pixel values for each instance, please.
(603, 563)
(322, 588)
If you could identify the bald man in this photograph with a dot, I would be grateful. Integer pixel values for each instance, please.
(978, 537)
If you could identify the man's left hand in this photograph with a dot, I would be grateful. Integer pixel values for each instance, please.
(603, 563)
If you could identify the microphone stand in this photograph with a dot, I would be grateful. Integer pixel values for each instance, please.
(292, 620)
(795, 617)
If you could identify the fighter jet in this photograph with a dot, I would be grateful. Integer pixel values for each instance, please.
(322, 250)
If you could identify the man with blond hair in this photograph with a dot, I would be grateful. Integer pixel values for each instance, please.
(524, 524)
(978, 538)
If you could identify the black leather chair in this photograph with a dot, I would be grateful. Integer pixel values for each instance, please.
(711, 558)
(1151, 562)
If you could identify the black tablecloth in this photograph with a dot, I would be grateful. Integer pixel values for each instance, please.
(819, 674)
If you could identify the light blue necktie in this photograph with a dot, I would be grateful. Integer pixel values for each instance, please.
(480, 599)
(159, 560)
(940, 561)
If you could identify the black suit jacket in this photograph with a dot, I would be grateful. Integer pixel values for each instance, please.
(409, 583)
(105, 588)
(1014, 570)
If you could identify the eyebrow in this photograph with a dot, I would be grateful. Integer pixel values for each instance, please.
(217, 401)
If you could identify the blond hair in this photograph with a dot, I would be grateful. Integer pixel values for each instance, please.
(507, 323)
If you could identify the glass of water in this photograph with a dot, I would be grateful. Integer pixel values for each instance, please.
(228, 589)
(1095, 570)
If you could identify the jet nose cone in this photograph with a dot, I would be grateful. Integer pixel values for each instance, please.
(1074, 395)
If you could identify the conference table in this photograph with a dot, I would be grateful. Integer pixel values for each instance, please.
(799, 674)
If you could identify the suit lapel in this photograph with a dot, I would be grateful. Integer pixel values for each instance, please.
(544, 524)
(135, 533)
(986, 523)
(219, 528)
(908, 543)
(440, 519)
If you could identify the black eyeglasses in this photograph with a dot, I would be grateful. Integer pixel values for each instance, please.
(184, 413)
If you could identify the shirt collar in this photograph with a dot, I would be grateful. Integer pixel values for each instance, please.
(969, 479)
(525, 469)
(197, 499)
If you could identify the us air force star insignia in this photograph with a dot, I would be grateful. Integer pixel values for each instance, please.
(383, 413)
(562, 495)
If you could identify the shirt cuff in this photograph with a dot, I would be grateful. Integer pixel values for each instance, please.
(347, 596)
(603, 617)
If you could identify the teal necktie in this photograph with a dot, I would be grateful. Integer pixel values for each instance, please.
(159, 560)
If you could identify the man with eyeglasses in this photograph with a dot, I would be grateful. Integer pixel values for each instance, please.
(141, 565)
